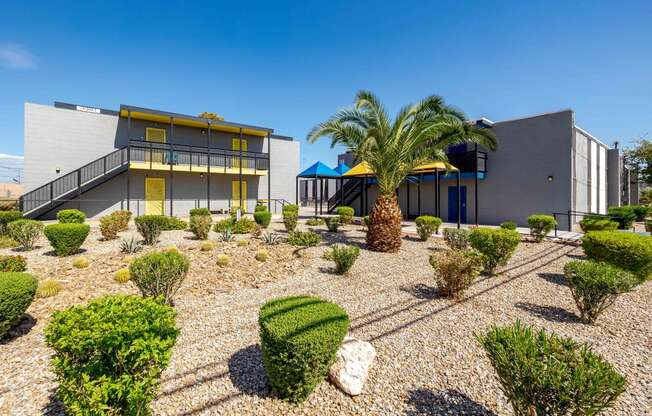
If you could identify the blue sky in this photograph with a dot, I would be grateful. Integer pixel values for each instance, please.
(290, 65)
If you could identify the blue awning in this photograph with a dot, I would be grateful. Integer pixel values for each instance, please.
(342, 168)
(319, 170)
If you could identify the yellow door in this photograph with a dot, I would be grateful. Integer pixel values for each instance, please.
(154, 196)
(235, 195)
(156, 136)
(235, 145)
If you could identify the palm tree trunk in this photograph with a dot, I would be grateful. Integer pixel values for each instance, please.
(384, 232)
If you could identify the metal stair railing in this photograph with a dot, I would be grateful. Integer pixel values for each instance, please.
(350, 185)
(48, 194)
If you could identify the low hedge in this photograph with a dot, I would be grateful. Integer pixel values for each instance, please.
(71, 216)
(260, 208)
(641, 211)
(631, 252)
(263, 218)
(174, 223)
(544, 374)
(290, 216)
(200, 211)
(13, 263)
(109, 354)
(244, 226)
(541, 225)
(17, 292)
(427, 225)
(508, 225)
(6, 217)
(595, 223)
(67, 238)
(299, 336)
(346, 214)
(303, 239)
(496, 244)
(624, 216)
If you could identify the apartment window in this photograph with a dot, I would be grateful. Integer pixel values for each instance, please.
(155, 135)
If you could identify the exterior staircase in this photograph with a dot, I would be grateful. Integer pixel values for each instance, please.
(49, 196)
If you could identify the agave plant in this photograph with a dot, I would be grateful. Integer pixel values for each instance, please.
(419, 134)
(271, 238)
(130, 245)
(227, 235)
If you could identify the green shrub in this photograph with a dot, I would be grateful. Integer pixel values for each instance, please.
(508, 225)
(427, 225)
(150, 227)
(8, 242)
(25, 232)
(346, 214)
(541, 225)
(624, 216)
(290, 217)
(299, 336)
(71, 216)
(244, 226)
(344, 257)
(200, 225)
(174, 223)
(67, 238)
(313, 222)
(17, 292)
(365, 219)
(496, 244)
(110, 225)
(641, 211)
(160, 274)
(13, 264)
(597, 223)
(457, 238)
(648, 226)
(303, 239)
(6, 217)
(260, 208)
(543, 374)
(631, 252)
(262, 255)
(109, 354)
(200, 211)
(455, 270)
(263, 218)
(223, 224)
(80, 263)
(595, 286)
(333, 223)
(122, 217)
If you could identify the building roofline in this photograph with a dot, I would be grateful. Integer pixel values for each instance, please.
(534, 116)
(586, 133)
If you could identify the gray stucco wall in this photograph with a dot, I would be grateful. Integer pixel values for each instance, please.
(614, 177)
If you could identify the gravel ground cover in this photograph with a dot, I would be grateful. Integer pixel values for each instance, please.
(428, 362)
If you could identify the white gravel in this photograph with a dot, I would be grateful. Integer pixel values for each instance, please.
(428, 362)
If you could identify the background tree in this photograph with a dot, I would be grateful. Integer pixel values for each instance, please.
(211, 116)
(640, 158)
(420, 133)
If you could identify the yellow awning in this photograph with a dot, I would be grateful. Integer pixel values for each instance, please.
(431, 167)
(361, 169)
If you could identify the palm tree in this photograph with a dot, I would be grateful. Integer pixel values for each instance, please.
(420, 133)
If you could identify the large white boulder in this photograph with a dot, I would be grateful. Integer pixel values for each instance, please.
(354, 358)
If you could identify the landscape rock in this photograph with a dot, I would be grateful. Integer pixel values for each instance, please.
(354, 358)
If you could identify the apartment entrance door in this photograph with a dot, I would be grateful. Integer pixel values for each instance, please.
(155, 196)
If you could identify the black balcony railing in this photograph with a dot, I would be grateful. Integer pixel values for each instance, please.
(195, 157)
(467, 161)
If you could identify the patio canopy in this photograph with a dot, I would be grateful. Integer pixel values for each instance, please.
(362, 169)
(318, 170)
(342, 168)
(434, 166)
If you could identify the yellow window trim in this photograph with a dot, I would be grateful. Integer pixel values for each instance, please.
(155, 135)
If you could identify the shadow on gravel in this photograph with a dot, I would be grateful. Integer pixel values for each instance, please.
(549, 313)
(247, 372)
(54, 407)
(421, 291)
(424, 402)
(340, 238)
(23, 327)
(556, 278)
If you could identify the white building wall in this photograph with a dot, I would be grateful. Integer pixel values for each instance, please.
(602, 176)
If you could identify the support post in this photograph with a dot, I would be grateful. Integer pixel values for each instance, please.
(314, 194)
(208, 167)
(296, 191)
(475, 185)
(326, 195)
(240, 171)
(171, 161)
(341, 191)
(420, 178)
(365, 196)
(269, 174)
(128, 156)
(407, 186)
(321, 196)
(459, 201)
(437, 193)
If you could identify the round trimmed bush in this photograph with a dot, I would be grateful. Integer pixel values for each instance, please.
(244, 226)
(427, 225)
(263, 218)
(6, 217)
(332, 223)
(290, 216)
(457, 238)
(541, 225)
(200, 225)
(455, 270)
(150, 227)
(299, 336)
(496, 244)
(344, 257)
(346, 214)
(13, 264)
(624, 216)
(199, 211)
(67, 238)
(641, 211)
(109, 354)
(160, 274)
(597, 223)
(71, 216)
(25, 232)
(260, 208)
(631, 252)
(17, 292)
(303, 239)
(544, 374)
(110, 225)
(508, 225)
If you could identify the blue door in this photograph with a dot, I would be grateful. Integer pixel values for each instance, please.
(452, 203)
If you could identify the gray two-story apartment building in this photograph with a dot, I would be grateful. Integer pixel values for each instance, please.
(150, 162)
(544, 164)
